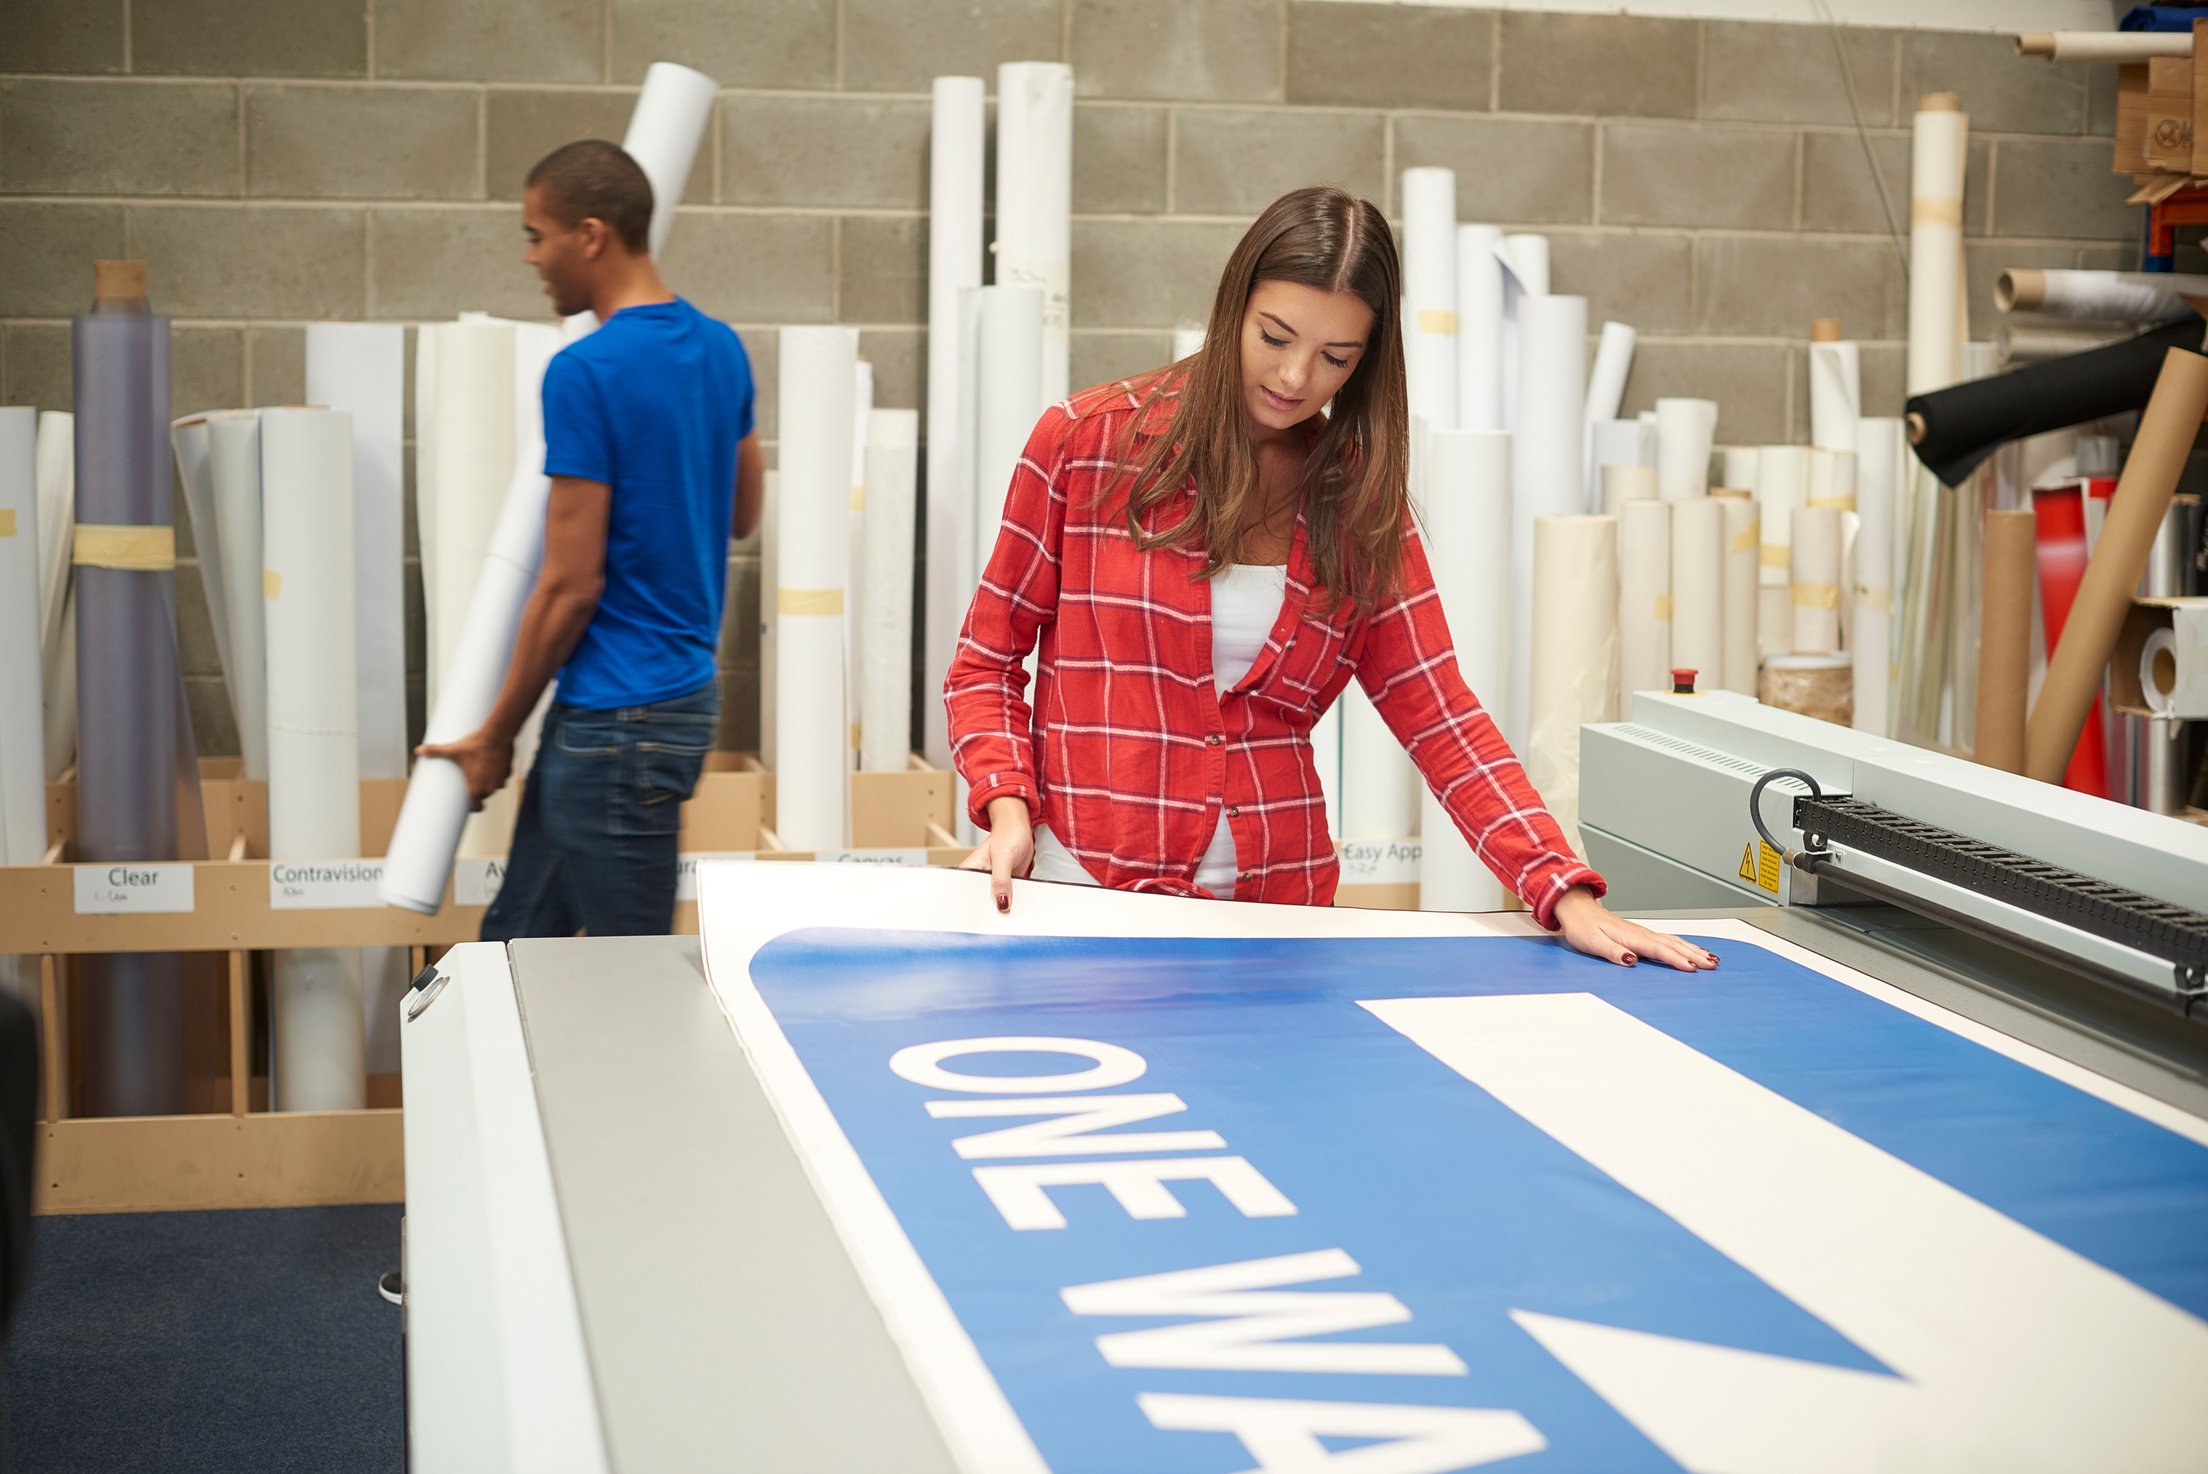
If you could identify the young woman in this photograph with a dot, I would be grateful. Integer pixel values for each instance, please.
(1205, 560)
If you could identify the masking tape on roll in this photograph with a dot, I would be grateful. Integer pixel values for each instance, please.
(7, 521)
(808, 601)
(1816, 596)
(1438, 321)
(1663, 607)
(858, 498)
(2157, 656)
(1937, 210)
(1748, 537)
(1831, 503)
(1880, 600)
(1778, 555)
(134, 549)
(272, 583)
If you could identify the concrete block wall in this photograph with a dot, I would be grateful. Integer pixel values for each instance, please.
(281, 161)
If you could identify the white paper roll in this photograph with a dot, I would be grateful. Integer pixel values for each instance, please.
(854, 547)
(188, 444)
(1546, 475)
(1035, 199)
(1644, 597)
(1621, 484)
(1831, 479)
(812, 745)
(1479, 328)
(664, 133)
(234, 470)
(57, 618)
(1737, 467)
(2099, 296)
(1622, 443)
(313, 754)
(474, 446)
(1782, 484)
(1815, 581)
(360, 368)
(954, 266)
(1009, 324)
(1525, 261)
(1605, 389)
(22, 706)
(1698, 588)
(1379, 783)
(2159, 650)
(1938, 147)
(1430, 294)
(1467, 527)
(770, 558)
(885, 694)
(1575, 654)
(1835, 394)
(1881, 446)
(1743, 552)
(1685, 429)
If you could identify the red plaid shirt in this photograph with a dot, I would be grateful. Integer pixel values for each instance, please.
(1130, 752)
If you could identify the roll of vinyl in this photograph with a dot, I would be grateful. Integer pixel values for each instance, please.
(1430, 294)
(1939, 143)
(1380, 786)
(22, 708)
(1738, 467)
(854, 548)
(313, 751)
(664, 133)
(1698, 587)
(2158, 457)
(1684, 430)
(1814, 685)
(1621, 443)
(188, 444)
(474, 447)
(1831, 479)
(137, 776)
(2098, 296)
(360, 368)
(1010, 330)
(2005, 635)
(1479, 328)
(1835, 394)
(812, 746)
(1605, 390)
(770, 523)
(1575, 654)
(2157, 670)
(1743, 586)
(1644, 597)
(1326, 758)
(1525, 261)
(1621, 484)
(57, 615)
(1879, 452)
(2015, 346)
(1467, 524)
(1816, 581)
(955, 136)
(234, 473)
(1035, 199)
(885, 693)
(1782, 485)
(1546, 475)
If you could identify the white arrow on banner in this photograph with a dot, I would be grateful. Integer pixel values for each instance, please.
(2010, 1352)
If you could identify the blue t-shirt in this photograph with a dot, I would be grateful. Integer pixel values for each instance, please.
(652, 404)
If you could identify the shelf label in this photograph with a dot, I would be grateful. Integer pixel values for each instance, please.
(871, 857)
(325, 885)
(686, 869)
(133, 888)
(1380, 862)
(475, 882)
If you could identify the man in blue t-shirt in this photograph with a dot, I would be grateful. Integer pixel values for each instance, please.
(654, 463)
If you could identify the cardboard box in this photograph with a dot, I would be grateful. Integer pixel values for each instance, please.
(2186, 669)
(2131, 119)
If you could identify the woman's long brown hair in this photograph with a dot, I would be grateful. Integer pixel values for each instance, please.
(1355, 487)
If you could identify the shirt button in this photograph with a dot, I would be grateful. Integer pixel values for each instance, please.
(1213, 740)
(1233, 812)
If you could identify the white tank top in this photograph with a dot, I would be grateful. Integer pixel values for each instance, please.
(1245, 601)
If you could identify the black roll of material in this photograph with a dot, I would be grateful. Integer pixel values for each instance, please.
(1953, 430)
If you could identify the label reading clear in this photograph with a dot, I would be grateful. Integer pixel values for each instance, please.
(126, 889)
(476, 882)
(1380, 862)
(325, 885)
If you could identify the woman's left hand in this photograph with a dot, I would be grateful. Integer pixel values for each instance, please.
(1591, 929)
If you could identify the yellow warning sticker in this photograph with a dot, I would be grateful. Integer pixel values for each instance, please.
(1759, 865)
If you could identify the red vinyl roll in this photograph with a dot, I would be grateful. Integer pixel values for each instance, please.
(2060, 513)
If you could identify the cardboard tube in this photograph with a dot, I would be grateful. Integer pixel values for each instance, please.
(2121, 48)
(2098, 296)
(2158, 457)
(2005, 638)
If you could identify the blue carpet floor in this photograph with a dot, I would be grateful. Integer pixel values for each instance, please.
(236, 1342)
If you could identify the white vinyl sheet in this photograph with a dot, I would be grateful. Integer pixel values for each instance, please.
(57, 616)
(1831, 483)
(1743, 553)
(360, 368)
(955, 141)
(1430, 294)
(1547, 478)
(234, 469)
(22, 707)
(1782, 485)
(1880, 450)
(1816, 581)
(1379, 784)
(664, 133)
(1835, 394)
(1620, 443)
(1525, 262)
(1009, 328)
(1575, 654)
(1479, 328)
(474, 448)
(1605, 391)
(770, 558)
(1737, 467)
(1622, 484)
(854, 547)
(1938, 145)
(1685, 429)
(1698, 588)
(812, 741)
(1644, 597)
(1035, 200)
(313, 754)
(1467, 528)
(885, 691)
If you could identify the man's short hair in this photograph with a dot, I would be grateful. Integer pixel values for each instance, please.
(598, 180)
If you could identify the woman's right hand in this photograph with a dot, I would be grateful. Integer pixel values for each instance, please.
(1007, 850)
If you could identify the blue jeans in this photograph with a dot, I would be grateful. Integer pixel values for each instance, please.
(594, 845)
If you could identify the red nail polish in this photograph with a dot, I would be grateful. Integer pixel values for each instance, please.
(1631, 960)
(1004, 903)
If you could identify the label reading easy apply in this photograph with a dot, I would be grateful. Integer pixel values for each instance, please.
(130, 889)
